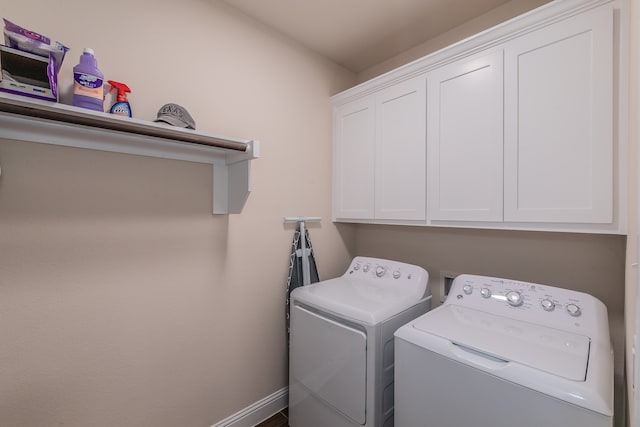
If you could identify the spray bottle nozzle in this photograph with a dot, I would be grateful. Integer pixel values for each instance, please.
(122, 89)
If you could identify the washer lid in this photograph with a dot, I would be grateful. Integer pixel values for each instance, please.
(557, 352)
(365, 301)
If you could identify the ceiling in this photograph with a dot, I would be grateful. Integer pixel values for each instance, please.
(359, 34)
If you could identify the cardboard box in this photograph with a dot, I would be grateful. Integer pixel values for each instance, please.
(24, 73)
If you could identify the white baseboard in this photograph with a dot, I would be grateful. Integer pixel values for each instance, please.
(258, 411)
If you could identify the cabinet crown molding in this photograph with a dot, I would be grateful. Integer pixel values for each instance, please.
(530, 21)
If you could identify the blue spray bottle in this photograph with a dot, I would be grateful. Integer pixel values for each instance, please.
(121, 107)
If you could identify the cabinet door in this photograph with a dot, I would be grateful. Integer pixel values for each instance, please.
(400, 171)
(558, 122)
(354, 145)
(465, 140)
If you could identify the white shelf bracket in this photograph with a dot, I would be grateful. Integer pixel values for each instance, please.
(232, 181)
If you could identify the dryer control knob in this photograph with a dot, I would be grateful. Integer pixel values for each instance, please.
(547, 304)
(485, 292)
(366, 268)
(467, 289)
(396, 274)
(356, 267)
(380, 270)
(514, 298)
(574, 310)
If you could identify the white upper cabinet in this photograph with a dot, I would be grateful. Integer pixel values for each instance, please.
(559, 122)
(379, 155)
(465, 150)
(523, 126)
(353, 159)
(400, 179)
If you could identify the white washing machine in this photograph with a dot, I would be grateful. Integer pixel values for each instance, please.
(504, 353)
(341, 347)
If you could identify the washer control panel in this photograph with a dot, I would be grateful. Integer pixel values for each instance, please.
(542, 304)
(384, 271)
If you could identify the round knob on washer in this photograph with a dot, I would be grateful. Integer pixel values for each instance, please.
(467, 289)
(366, 268)
(514, 298)
(485, 292)
(356, 267)
(380, 270)
(547, 304)
(574, 310)
(396, 274)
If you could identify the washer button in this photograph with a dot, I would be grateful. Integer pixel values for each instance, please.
(485, 292)
(514, 298)
(547, 304)
(467, 289)
(396, 274)
(574, 310)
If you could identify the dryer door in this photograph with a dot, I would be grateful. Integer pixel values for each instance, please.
(329, 359)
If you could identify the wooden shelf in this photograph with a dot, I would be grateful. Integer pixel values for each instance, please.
(24, 119)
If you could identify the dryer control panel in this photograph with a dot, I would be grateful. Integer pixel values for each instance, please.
(385, 272)
(542, 304)
(384, 269)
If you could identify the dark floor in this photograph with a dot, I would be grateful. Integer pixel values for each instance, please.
(281, 419)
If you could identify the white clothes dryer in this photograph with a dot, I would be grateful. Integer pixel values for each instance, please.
(341, 344)
(504, 353)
